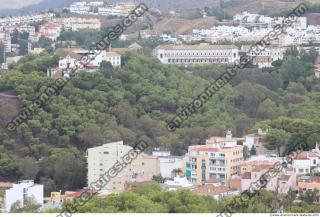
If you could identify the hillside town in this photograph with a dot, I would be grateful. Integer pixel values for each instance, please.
(217, 168)
(215, 161)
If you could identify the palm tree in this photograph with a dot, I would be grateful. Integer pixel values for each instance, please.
(176, 172)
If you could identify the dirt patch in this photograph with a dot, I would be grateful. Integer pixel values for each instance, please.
(180, 26)
(10, 106)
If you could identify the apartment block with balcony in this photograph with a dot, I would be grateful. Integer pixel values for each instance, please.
(219, 158)
(196, 54)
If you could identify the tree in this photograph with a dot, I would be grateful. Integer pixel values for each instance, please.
(246, 152)
(158, 178)
(29, 206)
(106, 69)
(176, 172)
(275, 138)
(2, 53)
(310, 196)
(28, 168)
(23, 47)
(45, 43)
(253, 150)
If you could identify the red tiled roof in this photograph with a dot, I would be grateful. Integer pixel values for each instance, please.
(284, 177)
(6, 184)
(315, 179)
(211, 190)
(78, 193)
(304, 155)
(246, 175)
(213, 180)
(50, 26)
(206, 149)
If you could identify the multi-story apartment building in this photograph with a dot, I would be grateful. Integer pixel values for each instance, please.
(102, 158)
(220, 158)
(50, 30)
(78, 23)
(21, 191)
(196, 54)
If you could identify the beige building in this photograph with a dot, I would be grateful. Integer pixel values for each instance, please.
(197, 54)
(100, 159)
(220, 158)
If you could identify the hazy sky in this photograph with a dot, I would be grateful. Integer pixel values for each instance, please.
(15, 4)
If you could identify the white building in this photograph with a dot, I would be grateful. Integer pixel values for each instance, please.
(266, 57)
(80, 8)
(112, 57)
(22, 190)
(10, 21)
(5, 38)
(167, 162)
(69, 62)
(78, 23)
(196, 54)
(177, 183)
(306, 161)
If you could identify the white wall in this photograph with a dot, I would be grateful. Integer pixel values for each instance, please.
(167, 164)
(17, 191)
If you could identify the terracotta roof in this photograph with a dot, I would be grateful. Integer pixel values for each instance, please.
(79, 192)
(196, 47)
(111, 54)
(304, 155)
(315, 179)
(6, 184)
(246, 175)
(213, 180)
(317, 66)
(284, 177)
(212, 190)
(260, 167)
(50, 26)
(120, 50)
(206, 149)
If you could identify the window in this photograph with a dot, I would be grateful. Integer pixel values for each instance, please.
(105, 152)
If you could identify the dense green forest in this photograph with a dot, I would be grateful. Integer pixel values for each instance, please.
(137, 100)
